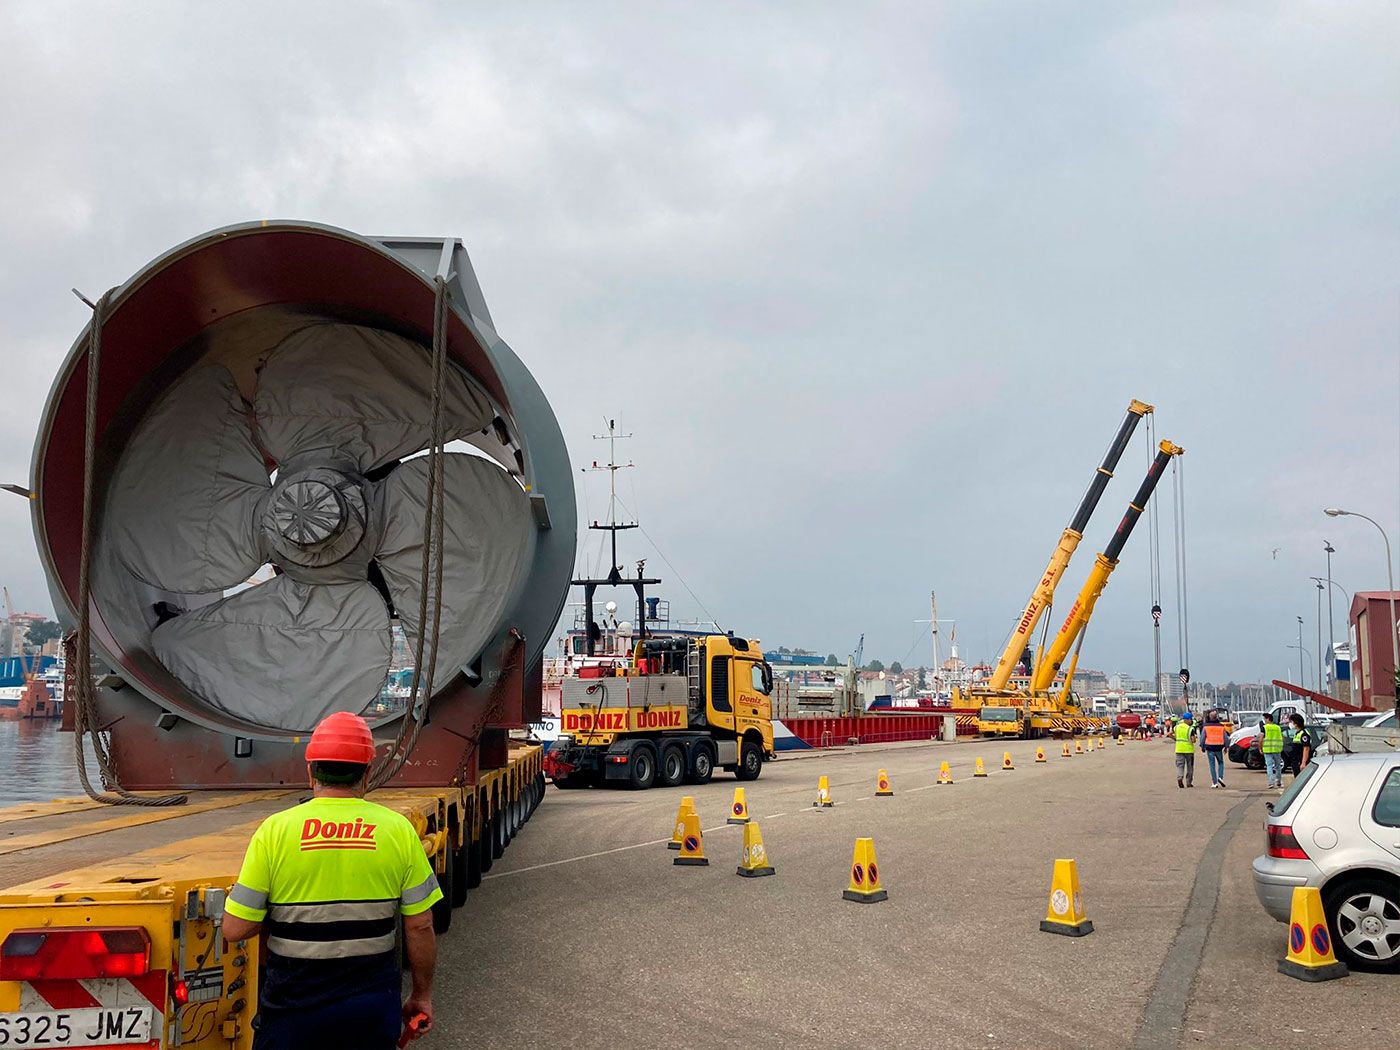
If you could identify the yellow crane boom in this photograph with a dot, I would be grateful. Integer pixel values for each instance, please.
(1044, 592)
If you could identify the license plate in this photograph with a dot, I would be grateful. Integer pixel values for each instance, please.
(88, 1026)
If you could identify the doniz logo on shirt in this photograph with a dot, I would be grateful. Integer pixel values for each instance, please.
(328, 834)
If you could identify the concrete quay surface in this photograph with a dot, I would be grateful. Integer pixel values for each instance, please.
(586, 935)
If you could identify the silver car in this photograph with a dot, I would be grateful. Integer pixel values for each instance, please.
(1337, 827)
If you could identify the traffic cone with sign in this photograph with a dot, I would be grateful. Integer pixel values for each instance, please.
(824, 799)
(1040, 754)
(865, 885)
(1066, 912)
(1119, 741)
(739, 811)
(945, 775)
(1100, 743)
(1078, 750)
(753, 862)
(1064, 750)
(882, 785)
(1006, 760)
(1310, 955)
(692, 844)
(979, 770)
(678, 831)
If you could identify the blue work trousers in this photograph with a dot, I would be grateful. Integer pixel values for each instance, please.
(1273, 768)
(371, 1020)
(1215, 759)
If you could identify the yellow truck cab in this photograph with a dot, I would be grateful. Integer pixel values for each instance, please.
(1000, 721)
(682, 706)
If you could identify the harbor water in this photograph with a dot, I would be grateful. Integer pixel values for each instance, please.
(36, 761)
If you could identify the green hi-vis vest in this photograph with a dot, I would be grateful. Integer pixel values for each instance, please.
(1183, 738)
(1272, 743)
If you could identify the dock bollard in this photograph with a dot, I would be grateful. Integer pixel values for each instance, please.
(865, 887)
(1065, 914)
(1006, 760)
(1310, 955)
(882, 785)
(824, 799)
(753, 862)
(693, 844)
(678, 831)
(739, 811)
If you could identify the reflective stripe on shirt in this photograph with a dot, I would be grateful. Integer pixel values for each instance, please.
(249, 898)
(331, 930)
(421, 892)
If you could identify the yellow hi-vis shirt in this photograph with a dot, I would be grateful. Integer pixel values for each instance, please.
(328, 879)
(1183, 738)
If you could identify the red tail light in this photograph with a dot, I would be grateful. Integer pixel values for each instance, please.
(1282, 843)
(179, 991)
(75, 954)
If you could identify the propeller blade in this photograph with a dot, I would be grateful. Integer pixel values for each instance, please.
(487, 537)
(182, 506)
(282, 654)
(332, 391)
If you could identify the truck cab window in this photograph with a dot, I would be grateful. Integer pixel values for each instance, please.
(762, 678)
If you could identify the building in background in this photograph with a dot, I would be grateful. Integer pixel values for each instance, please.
(1372, 652)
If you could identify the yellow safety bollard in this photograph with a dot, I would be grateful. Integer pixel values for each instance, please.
(753, 862)
(678, 831)
(1006, 760)
(1040, 754)
(824, 799)
(739, 811)
(882, 785)
(1310, 955)
(1065, 915)
(945, 775)
(865, 887)
(979, 770)
(693, 843)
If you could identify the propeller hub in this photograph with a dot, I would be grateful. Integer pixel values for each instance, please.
(308, 512)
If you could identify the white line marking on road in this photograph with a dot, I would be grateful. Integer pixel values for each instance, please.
(863, 798)
(591, 856)
(924, 787)
(774, 816)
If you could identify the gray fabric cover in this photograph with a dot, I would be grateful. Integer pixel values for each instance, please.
(332, 391)
(282, 654)
(182, 508)
(487, 531)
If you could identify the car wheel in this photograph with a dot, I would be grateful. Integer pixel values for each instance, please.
(643, 768)
(672, 767)
(704, 766)
(1253, 760)
(1364, 915)
(750, 762)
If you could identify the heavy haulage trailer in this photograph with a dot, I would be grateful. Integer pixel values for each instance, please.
(231, 499)
(679, 709)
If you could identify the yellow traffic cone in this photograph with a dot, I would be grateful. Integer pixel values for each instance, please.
(865, 885)
(1066, 912)
(678, 832)
(753, 862)
(739, 811)
(1064, 750)
(945, 775)
(1006, 760)
(692, 843)
(824, 799)
(1119, 741)
(1040, 754)
(979, 770)
(1077, 749)
(882, 784)
(1310, 955)
(1100, 739)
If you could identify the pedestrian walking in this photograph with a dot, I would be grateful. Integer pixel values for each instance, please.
(1271, 747)
(326, 882)
(1302, 748)
(1213, 740)
(1185, 751)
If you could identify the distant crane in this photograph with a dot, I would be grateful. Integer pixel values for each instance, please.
(10, 626)
(859, 655)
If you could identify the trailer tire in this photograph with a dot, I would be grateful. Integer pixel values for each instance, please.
(472, 850)
(704, 766)
(750, 761)
(499, 841)
(672, 770)
(442, 909)
(642, 767)
(485, 847)
(539, 793)
(460, 867)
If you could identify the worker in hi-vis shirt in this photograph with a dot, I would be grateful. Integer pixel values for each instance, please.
(325, 882)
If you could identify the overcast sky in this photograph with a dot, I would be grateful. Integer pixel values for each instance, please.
(872, 284)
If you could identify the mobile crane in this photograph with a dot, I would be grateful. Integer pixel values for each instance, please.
(681, 707)
(1002, 708)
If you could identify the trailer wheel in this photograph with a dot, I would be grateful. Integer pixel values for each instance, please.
(498, 835)
(460, 865)
(472, 851)
(486, 854)
(672, 767)
(442, 909)
(704, 767)
(539, 792)
(750, 762)
(643, 767)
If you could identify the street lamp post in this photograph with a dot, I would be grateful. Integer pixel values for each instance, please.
(1331, 633)
(1318, 581)
(1301, 677)
(1334, 512)
(1302, 652)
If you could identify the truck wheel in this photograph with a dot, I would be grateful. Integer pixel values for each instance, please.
(643, 767)
(672, 767)
(1362, 914)
(704, 766)
(1253, 760)
(460, 865)
(750, 762)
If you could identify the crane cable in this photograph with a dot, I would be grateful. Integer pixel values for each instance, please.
(85, 702)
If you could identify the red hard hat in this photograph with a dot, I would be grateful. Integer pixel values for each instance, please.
(341, 737)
